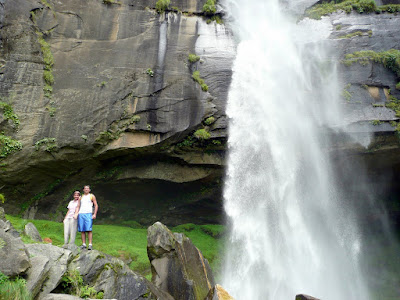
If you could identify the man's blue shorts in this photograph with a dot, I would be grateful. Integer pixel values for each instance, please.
(85, 222)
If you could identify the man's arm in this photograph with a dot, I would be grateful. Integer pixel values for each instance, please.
(96, 207)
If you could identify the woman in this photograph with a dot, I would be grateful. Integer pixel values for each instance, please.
(70, 221)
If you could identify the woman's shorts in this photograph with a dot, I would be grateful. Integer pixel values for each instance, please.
(85, 222)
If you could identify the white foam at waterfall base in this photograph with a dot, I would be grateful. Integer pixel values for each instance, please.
(290, 231)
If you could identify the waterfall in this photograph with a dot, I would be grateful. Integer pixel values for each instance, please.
(291, 232)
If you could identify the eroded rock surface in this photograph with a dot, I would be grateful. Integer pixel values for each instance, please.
(178, 267)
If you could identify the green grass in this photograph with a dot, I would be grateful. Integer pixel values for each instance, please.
(13, 289)
(126, 242)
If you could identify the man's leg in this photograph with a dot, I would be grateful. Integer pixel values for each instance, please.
(83, 236)
(90, 235)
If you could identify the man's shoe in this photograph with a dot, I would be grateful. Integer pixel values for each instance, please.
(65, 246)
(90, 247)
(83, 247)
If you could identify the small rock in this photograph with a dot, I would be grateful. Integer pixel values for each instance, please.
(14, 259)
(218, 293)
(305, 297)
(31, 231)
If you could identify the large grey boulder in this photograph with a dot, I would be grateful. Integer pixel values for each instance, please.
(37, 274)
(58, 260)
(305, 297)
(178, 267)
(31, 231)
(14, 258)
(111, 276)
(218, 293)
(60, 297)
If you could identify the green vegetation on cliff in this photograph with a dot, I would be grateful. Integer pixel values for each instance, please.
(50, 144)
(192, 58)
(360, 6)
(8, 145)
(209, 7)
(130, 243)
(357, 33)
(390, 59)
(202, 134)
(8, 114)
(199, 80)
(162, 5)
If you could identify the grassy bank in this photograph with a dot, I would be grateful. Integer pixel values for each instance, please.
(130, 243)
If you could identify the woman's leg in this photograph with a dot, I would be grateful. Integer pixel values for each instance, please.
(74, 227)
(66, 231)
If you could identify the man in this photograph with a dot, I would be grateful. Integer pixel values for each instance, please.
(85, 215)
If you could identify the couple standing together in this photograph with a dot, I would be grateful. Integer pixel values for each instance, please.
(80, 216)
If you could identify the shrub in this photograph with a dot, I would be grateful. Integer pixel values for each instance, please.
(193, 58)
(202, 134)
(2, 200)
(162, 5)
(135, 119)
(209, 7)
(398, 86)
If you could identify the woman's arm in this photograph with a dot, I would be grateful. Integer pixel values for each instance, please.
(77, 208)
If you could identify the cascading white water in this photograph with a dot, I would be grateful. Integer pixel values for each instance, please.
(290, 231)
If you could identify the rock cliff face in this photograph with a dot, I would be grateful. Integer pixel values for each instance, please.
(103, 94)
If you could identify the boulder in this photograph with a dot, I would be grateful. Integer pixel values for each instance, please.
(37, 274)
(113, 277)
(218, 293)
(7, 226)
(31, 231)
(305, 297)
(178, 267)
(14, 258)
(58, 260)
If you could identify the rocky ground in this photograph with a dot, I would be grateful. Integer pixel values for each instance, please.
(179, 269)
